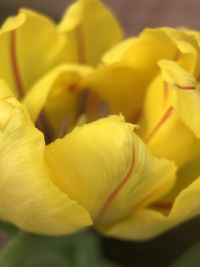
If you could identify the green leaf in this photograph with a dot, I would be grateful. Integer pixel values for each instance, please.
(190, 258)
(27, 250)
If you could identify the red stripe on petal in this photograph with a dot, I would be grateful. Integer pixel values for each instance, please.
(185, 87)
(15, 66)
(80, 45)
(116, 191)
(166, 93)
(164, 118)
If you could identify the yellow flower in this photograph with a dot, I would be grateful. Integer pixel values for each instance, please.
(87, 176)
(96, 174)
(96, 169)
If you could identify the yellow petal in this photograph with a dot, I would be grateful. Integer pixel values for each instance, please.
(91, 29)
(108, 169)
(155, 44)
(56, 93)
(161, 121)
(194, 33)
(185, 176)
(30, 45)
(147, 223)
(186, 98)
(5, 92)
(28, 196)
(141, 225)
(188, 45)
(116, 53)
(142, 53)
(150, 46)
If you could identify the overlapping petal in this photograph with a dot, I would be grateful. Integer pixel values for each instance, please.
(49, 182)
(28, 196)
(107, 155)
(56, 93)
(170, 112)
(147, 223)
(186, 94)
(153, 44)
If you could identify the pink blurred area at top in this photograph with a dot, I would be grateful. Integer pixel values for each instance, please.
(133, 14)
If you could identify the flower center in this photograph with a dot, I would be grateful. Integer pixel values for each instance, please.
(88, 107)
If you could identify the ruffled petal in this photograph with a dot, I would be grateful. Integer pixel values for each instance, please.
(108, 169)
(147, 223)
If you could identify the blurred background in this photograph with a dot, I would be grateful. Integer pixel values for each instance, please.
(135, 15)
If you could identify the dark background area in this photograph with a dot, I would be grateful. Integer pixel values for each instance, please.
(134, 16)
(158, 252)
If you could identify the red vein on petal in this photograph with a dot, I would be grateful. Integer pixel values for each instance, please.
(189, 87)
(185, 87)
(15, 66)
(80, 45)
(166, 93)
(116, 191)
(177, 55)
(164, 118)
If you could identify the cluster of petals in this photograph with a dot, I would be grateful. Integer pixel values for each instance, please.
(96, 130)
